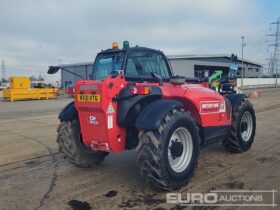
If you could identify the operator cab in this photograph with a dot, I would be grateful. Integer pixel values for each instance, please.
(137, 63)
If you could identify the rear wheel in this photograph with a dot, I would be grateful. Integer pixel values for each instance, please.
(168, 156)
(243, 128)
(71, 144)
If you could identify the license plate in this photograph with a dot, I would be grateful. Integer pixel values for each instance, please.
(88, 97)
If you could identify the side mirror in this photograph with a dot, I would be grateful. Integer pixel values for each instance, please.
(53, 69)
(225, 88)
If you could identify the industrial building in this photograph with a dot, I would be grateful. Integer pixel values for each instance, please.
(205, 65)
(83, 69)
(185, 65)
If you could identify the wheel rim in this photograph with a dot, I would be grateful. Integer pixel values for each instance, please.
(183, 137)
(246, 126)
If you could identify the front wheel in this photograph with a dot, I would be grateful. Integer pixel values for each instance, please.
(70, 142)
(167, 156)
(243, 128)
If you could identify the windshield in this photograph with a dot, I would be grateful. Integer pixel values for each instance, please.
(139, 64)
(106, 64)
(143, 63)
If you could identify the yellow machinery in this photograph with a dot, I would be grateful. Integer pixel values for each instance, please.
(20, 90)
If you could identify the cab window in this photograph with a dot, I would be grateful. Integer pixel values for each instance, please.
(145, 62)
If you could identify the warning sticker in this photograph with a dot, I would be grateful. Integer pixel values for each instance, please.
(110, 121)
(92, 120)
(110, 109)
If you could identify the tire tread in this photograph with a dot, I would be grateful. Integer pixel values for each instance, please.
(148, 153)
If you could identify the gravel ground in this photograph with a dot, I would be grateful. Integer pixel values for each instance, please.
(33, 175)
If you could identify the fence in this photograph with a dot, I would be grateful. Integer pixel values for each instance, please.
(249, 83)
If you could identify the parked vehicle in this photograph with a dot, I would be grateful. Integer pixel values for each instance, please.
(134, 101)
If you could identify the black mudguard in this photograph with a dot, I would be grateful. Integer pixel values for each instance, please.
(235, 99)
(68, 112)
(126, 112)
(154, 113)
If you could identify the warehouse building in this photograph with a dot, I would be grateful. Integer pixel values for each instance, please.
(83, 69)
(185, 65)
(205, 65)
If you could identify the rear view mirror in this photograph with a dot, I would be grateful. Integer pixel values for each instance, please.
(53, 69)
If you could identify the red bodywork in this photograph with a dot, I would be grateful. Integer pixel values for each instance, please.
(98, 119)
(70, 91)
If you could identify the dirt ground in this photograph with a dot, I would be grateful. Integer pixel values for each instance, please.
(33, 175)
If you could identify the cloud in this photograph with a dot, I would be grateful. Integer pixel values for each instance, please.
(35, 34)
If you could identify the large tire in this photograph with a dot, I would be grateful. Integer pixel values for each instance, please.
(71, 144)
(154, 151)
(243, 128)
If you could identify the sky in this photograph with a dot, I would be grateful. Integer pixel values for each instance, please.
(35, 34)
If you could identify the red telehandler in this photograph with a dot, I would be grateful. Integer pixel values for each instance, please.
(133, 100)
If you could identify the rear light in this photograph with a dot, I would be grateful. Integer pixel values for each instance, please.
(133, 90)
(139, 90)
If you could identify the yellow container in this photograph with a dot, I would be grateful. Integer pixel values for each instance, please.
(28, 94)
(19, 82)
(20, 90)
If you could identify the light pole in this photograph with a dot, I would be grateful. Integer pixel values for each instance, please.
(61, 75)
(242, 68)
